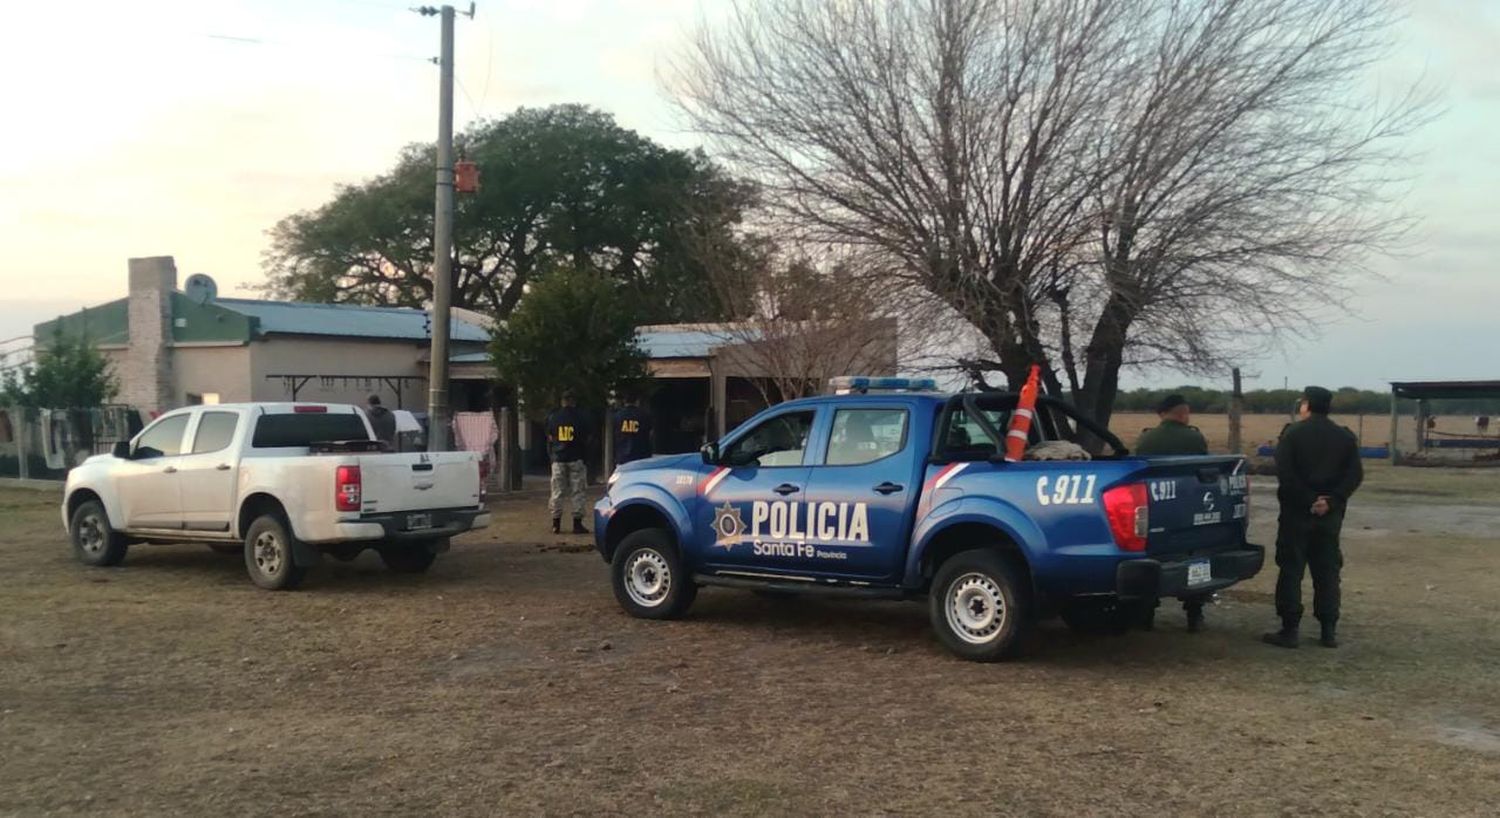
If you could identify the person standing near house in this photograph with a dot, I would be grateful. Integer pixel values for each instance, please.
(632, 428)
(566, 445)
(382, 421)
(1317, 470)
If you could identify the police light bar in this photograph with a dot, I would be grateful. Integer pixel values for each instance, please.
(858, 383)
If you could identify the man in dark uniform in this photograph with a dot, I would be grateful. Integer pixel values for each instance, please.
(1173, 435)
(1317, 469)
(382, 421)
(632, 432)
(567, 434)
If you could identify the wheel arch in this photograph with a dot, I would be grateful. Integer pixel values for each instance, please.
(635, 516)
(255, 505)
(966, 535)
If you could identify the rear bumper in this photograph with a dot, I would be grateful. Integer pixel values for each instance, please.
(446, 523)
(1153, 579)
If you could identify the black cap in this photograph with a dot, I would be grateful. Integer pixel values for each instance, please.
(374, 400)
(1318, 399)
(1169, 403)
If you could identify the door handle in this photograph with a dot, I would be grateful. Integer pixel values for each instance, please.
(786, 488)
(170, 470)
(887, 488)
(223, 467)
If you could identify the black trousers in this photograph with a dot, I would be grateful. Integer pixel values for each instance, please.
(1306, 543)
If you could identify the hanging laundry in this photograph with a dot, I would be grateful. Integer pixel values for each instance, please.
(476, 432)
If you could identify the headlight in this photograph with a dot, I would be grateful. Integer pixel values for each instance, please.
(613, 476)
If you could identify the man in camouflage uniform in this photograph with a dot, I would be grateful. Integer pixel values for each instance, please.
(1317, 469)
(566, 444)
(1173, 435)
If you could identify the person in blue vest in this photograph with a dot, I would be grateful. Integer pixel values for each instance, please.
(632, 428)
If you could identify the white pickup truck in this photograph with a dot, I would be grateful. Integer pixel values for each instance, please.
(283, 484)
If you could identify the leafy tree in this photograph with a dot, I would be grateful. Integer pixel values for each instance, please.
(558, 185)
(574, 331)
(69, 373)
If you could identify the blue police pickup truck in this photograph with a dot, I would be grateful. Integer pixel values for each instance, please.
(891, 490)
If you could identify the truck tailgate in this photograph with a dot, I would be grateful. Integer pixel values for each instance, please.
(1197, 504)
(419, 481)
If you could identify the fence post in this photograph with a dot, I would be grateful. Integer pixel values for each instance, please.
(23, 431)
(1236, 410)
(507, 450)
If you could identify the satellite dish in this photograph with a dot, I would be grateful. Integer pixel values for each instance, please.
(200, 288)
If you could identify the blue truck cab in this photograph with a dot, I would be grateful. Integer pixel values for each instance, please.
(889, 490)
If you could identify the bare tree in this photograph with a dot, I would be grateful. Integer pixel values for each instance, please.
(799, 320)
(1089, 183)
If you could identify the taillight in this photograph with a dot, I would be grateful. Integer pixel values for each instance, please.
(347, 488)
(309, 409)
(1128, 509)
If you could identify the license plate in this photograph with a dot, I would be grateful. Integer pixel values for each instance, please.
(416, 521)
(1200, 573)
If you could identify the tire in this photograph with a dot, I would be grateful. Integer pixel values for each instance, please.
(94, 542)
(981, 606)
(268, 555)
(649, 578)
(227, 548)
(1100, 618)
(410, 559)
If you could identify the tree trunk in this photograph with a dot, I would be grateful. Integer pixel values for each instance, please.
(1102, 361)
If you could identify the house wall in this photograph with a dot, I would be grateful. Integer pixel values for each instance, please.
(311, 355)
(199, 371)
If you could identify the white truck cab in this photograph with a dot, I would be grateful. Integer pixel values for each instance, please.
(282, 483)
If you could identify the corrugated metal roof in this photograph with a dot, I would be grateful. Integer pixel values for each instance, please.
(469, 358)
(346, 320)
(687, 343)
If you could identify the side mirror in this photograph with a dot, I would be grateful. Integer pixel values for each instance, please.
(710, 452)
(121, 449)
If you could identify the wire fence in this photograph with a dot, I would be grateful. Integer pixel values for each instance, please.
(42, 444)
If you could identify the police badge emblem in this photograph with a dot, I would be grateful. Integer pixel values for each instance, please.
(728, 525)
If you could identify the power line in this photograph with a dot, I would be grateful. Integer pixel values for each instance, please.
(320, 48)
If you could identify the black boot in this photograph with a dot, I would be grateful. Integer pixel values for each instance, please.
(556, 525)
(1194, 611)
(578, 525)
(1284, 638)
(1329, 639)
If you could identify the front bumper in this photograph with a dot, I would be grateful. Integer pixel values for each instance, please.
(1154, 579)
(447, 523)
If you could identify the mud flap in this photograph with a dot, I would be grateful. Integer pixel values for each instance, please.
(304, 555)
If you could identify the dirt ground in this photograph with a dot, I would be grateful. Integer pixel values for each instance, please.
(507, 681)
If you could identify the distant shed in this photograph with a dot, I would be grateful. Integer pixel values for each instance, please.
(1422, 393)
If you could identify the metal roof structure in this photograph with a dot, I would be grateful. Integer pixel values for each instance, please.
(1445, 390)
(344, 320)
(689, 340)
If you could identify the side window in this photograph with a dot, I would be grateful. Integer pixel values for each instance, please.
(964, 439)
(865, 435)
(215, 430)
(164, 439)
(779, 441)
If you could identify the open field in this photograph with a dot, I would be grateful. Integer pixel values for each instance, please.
(1259, 429)
(507, 681)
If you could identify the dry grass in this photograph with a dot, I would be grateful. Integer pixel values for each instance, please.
(507, 681)
(1260, 429)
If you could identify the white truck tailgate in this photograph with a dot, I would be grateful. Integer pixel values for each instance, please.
(417, 482)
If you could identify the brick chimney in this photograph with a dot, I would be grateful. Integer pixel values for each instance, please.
(146, 373)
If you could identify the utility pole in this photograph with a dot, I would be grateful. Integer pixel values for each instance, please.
(439, 436)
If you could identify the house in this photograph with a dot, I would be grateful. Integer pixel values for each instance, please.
(172, 347)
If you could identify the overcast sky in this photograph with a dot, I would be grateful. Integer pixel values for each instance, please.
(189, 128)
